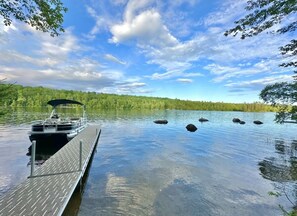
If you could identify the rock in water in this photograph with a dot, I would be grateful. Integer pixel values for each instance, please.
(258, 122)
(161, 121)
(191, 127)
(236, 120)
(203, 119)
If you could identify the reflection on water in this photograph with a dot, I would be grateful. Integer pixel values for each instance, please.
(44, 150)
(146, 169)
(282, 169)
(73, 205)
(16, 116)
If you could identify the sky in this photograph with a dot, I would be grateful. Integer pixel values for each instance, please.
(172, 49)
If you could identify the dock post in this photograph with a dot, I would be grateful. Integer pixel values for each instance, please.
(33, 150)
(80, 155)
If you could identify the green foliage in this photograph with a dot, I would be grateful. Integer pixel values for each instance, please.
(276, 194)
(283, 96)
(43, 15)
(280, 93)
(39, 96)
(5, 92)
(265, 14)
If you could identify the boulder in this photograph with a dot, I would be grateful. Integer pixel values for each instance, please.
(236, 120)
(203, 119)
(258, 122)
(161, 121)
(191, 127)
(242, 122)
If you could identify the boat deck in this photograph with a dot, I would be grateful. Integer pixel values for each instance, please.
(49, 190)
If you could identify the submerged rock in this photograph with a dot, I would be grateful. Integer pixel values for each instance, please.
(203, 119)
(161, 121)
(242, 122)
(191, 127)
(236, 120)
(258, 122)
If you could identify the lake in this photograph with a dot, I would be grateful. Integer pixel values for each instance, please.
(141, 168)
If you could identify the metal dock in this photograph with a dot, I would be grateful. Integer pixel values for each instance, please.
(49, 190)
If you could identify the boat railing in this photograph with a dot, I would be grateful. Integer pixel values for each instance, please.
(36, 122)
(50, 122)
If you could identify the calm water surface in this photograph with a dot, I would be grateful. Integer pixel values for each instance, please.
(141, 168)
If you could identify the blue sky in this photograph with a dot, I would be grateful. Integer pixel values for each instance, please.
(174, 49)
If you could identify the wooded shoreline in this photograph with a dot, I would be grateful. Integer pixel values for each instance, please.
(21, 96)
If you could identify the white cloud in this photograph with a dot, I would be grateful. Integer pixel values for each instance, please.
(179, 17)
(263, 67)
(30, 48)
(100, 23)
(118, 2)
(258, 84)
(146, 29)
(78, 75)
(159, 76)
(219, 50)
(193, 74)
(173, 74)
(58, 63)
(223, 52)
(128, 88)
(230, 11)
(19, 58)
(58, 47)
(133, 87)
(135, 84)
(133, 8)
(181, 2)
(183, 80)
(219, 70)
(114, 59)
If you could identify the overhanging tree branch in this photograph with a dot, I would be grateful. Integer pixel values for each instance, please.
(265, 14)
(43, 15)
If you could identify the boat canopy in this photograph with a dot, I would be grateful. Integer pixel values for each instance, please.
(57, 102)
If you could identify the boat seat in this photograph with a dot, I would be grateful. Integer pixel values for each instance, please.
(55, 116)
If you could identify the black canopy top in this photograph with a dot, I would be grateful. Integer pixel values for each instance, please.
(57, 102)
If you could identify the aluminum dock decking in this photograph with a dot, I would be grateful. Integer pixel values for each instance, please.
(50, 189)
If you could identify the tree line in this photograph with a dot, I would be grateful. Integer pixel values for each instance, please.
(21, 96)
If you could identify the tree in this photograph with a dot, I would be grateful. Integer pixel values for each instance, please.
(5, 91)
(43, 15)
(4, 88)
(264, 14)
(282, 95)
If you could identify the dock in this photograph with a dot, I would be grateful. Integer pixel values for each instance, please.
(49, 189)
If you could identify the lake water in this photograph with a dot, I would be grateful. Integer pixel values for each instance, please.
(141, 168)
